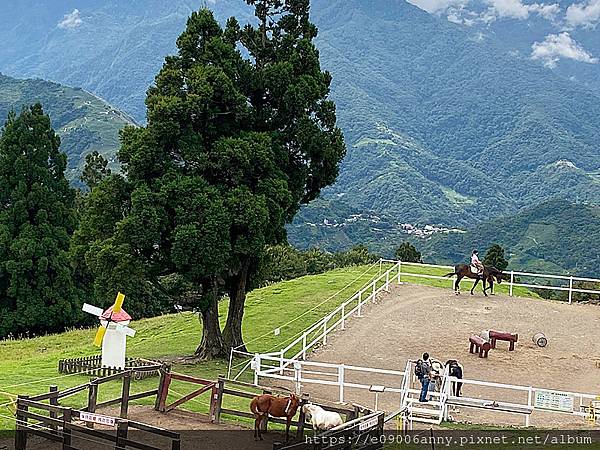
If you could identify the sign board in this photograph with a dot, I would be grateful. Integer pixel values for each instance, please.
(372, 422)
(555, 401)
(97, 418)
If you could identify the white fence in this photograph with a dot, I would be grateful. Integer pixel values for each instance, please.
(568, 282)
(348, 384)
(288, 364)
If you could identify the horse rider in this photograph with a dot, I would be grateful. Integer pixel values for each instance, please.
(476, 263)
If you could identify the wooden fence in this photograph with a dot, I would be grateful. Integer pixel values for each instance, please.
(224, 388)
(92, 365)
(57, 423)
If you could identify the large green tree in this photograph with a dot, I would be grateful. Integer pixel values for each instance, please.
(227, 156)
(37, 218)
(288, 98)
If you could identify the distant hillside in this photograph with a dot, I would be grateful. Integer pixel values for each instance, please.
(84, 122)
(444, 126)
(556, 236)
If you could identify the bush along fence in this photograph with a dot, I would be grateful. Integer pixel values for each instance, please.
(43, 416)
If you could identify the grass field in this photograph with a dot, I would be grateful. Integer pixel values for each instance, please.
(29, 366)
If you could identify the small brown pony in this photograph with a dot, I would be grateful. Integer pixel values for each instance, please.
(489, 273)
(267, 404)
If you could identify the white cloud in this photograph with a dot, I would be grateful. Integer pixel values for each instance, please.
(557, 46)
(516, 9)
(437, 6)
(71, 20)
(585, 14)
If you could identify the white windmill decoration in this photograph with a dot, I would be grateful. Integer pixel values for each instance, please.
(112, 333)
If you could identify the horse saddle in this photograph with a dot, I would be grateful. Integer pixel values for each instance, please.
(475, 270)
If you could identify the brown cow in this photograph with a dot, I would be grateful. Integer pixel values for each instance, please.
(267, 404)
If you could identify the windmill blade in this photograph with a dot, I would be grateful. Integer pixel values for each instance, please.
(119, 303)
(99, 336)
(93, 310)
(128, 331)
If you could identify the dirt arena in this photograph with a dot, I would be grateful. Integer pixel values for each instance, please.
(414, 319)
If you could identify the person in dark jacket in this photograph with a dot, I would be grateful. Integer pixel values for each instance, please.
(423, 370)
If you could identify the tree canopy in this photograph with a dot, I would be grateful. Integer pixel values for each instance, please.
(495, 257)
(408, 253)
(37, 217)
(231, 149)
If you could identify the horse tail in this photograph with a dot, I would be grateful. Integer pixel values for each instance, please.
(254, 407)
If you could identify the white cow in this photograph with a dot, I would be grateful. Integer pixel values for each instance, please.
(320, 419)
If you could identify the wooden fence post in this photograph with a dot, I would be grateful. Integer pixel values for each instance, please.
(301, 422)
(213, 403)
(125, 394)
(122, 428)
(92, 400)
(21, 425)
(66, 430)
(54, 402)
(163, 391)
(219, 400)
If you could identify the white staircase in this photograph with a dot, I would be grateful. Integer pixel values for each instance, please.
(432, 412)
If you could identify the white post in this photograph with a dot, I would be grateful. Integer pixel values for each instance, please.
(325, 331)
(281, 362)
(343, 316)
(230, 363)
(380, 261)
(376, 400)
(387, 281)
(399, 270)
(304, 346)
(341, 381)
(374, 288)
(297, 377)
(256, 368)
(358, 314)
(529, 400)
(512, 280)
(570, 290)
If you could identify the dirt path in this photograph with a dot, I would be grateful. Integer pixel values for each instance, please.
(413, 319)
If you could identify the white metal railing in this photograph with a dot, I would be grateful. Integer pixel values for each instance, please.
(512, 282)
(300, 372)
(398, 384)
(336, 319)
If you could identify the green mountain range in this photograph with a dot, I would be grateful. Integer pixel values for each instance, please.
(447, 125)
(84, 122)
(556, 236)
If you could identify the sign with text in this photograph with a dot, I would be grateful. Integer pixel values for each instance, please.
(372, 422)
(97, 418)
(555, 401)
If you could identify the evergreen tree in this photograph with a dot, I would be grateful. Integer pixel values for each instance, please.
(37, 218)
(224, 162)
(408, 253)
(95, 169)
(495, 257)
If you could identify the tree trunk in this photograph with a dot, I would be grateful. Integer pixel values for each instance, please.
(212, 344)
(232, 333)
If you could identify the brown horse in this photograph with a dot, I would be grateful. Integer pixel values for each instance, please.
(264, 405)
(489, 273)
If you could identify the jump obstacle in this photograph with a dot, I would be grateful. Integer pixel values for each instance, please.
(503, 336)
(479, 345)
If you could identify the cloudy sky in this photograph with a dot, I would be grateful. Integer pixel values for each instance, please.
(580, 15)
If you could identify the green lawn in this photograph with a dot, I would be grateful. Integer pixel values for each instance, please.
(29, 366)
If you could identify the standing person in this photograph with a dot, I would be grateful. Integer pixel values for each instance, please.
(422, 371)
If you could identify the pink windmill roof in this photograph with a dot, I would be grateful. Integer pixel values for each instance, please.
(121, 316)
